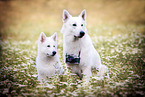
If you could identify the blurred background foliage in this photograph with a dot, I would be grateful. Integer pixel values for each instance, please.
(25, 19)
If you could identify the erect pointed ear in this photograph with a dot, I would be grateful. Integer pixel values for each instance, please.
(54, 36)
(42, 37)
(65, 16)
(83, 15)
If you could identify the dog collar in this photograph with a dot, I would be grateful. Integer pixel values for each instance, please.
(71, 59)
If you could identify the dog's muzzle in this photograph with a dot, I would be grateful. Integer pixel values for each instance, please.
(53, 53)
(82, 33)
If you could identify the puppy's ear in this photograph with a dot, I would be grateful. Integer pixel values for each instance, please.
(54, 36)
(42, 37)
(65, 16)
(83, 15)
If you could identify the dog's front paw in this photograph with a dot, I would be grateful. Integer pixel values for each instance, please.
(102, 70)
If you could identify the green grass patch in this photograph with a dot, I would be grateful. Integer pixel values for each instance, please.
(123, 54)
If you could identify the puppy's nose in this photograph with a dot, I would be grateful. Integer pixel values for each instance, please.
(82, 33)
(53, 53)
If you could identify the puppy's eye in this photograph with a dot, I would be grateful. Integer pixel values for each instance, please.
(48, 45)
(81, 24)
(54, 46)
(74, 24)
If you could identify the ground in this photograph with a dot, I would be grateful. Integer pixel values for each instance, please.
(117, 29)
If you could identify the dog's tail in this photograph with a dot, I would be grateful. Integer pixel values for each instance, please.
(102, 70)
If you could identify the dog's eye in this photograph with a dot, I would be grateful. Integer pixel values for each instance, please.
(54, 46)
(81, 24)
(48, 45)
(74, 24)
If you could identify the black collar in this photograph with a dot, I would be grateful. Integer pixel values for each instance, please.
(71, 59)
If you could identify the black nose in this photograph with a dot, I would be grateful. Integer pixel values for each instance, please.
(53, 53)
(82, 33)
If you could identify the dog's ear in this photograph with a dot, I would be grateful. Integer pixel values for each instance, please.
(42, 37)
(83, 15)
(54, 36)
(65, 16)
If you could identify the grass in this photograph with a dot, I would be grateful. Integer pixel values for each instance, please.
(119, 41)
(125, 59)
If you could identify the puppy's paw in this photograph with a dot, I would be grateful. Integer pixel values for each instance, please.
(102, 70)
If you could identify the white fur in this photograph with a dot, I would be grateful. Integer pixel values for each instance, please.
(71, 45)
(47, 64)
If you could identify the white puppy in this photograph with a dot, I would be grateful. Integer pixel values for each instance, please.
(47, 61)
(78, 44)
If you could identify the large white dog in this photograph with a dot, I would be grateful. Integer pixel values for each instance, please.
(47, 61)
(78, 51)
